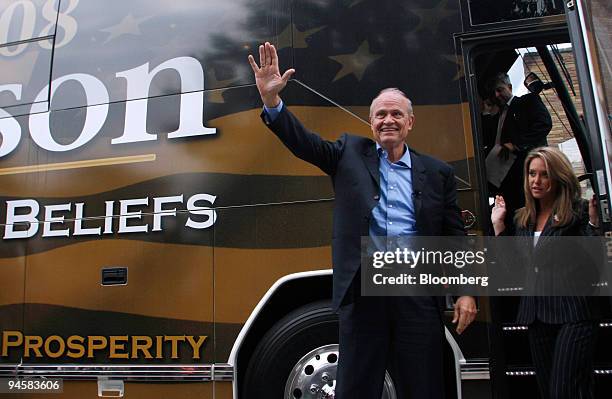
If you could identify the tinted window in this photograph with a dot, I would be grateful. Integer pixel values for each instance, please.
(487, 11)
(27, 19)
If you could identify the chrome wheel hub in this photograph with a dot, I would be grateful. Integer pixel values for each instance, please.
(314, 376)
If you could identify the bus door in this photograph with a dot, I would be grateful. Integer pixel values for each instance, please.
(589, 28)
(540, 46)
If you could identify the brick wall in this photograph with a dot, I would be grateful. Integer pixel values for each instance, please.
(561, 131)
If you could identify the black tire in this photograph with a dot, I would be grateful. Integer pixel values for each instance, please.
(304, 329)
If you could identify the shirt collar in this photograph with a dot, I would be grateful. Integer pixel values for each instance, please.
(510, 101)
(405, 160)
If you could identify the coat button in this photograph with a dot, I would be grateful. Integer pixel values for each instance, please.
(376, 197)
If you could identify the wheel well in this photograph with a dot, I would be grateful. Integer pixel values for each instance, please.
(288, 297)
(294, 294)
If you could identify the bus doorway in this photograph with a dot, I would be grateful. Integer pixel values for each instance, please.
(539, 62)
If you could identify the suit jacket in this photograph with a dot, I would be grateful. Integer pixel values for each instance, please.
(352, 163)
(527, 123)
(558, 275)
(489, 131)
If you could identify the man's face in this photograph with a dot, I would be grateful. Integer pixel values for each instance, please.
(503, 92)
(391, 120)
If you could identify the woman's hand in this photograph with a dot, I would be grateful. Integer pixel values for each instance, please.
(593, 215)
(498, 215)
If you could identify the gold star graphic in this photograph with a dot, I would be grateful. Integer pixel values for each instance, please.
(457, 60)
(299, 37)
(128, 26)
(430, 18)
(355, 63)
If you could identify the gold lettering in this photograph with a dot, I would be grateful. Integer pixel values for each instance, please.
(118, 346)
(60, 351)
(95, 342)
(6, 341)
(75, 342)
(174, 339)
(114, 347)
(136, 346)
(195, 345)
(32, 342)
(158, 346)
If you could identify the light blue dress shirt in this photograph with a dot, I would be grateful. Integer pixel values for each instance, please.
(272, 113)
(394, 214)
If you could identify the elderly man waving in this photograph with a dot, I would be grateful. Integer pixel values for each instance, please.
(382, 188)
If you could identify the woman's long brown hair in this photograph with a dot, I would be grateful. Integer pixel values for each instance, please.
(564, 183)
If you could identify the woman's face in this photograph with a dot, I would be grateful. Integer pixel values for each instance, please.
(540, 184)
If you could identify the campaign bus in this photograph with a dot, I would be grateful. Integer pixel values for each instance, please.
(159, 241)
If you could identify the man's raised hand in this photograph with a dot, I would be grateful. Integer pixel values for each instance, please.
(267, 75)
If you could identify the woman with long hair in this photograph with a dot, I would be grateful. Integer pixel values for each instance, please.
(561, 328)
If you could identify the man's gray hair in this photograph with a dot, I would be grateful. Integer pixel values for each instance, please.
(392, 90)
(501, 77)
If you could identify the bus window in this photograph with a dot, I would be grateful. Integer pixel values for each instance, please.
(599, 16)
(26, 68)
(26, 20)
(486, 11)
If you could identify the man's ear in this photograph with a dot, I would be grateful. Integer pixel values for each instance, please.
(411, 122)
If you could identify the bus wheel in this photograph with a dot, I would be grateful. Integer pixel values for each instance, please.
(298, 357)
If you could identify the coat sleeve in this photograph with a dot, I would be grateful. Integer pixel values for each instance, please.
(583, 216)
(305, 144)
(538, 123)
(453, 223)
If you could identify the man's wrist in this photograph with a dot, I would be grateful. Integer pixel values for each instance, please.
(272, 102)
(272, 112)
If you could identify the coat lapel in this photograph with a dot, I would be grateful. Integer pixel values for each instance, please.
(548, 226)
(530, 228)
(547, 231)
(370, 157)
(418, 183)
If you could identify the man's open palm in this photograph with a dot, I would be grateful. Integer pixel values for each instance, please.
(267, 75)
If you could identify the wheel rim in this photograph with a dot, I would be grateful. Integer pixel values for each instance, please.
(317, 369)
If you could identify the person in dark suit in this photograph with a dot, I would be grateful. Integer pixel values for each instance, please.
(489, 117)
(524, 123)
(561, 328)
(381, 189)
